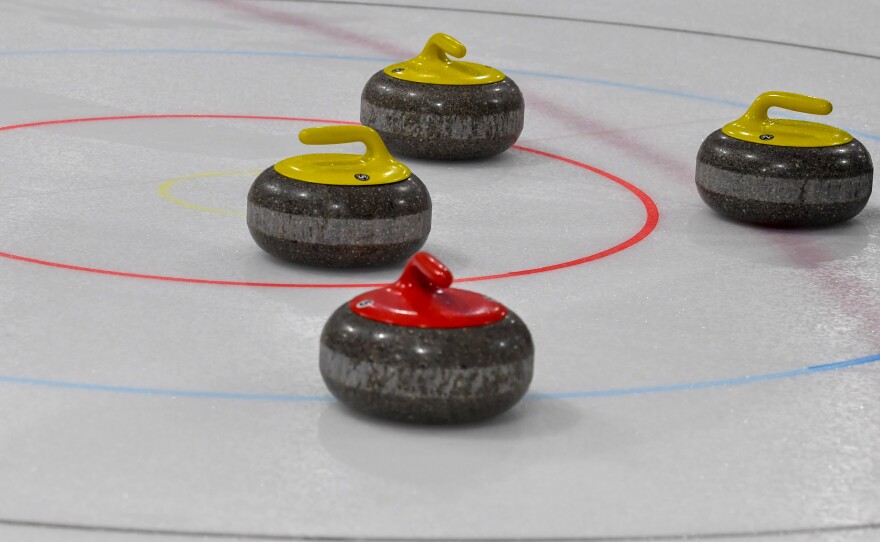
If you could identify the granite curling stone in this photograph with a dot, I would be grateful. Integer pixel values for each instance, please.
(419, 351)
(340, 210)
(436, 108)
(781, 172)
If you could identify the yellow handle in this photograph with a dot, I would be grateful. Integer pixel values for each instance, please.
(756, 127)
(439, 45)
(433, 65)
(376, 153)
(375, 166)
(787, 100)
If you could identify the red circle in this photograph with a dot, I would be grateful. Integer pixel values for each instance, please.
(652, 215)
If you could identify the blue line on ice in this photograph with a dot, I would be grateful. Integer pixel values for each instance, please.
(297, 54)
(166, 392)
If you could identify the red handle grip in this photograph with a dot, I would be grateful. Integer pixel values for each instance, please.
(431, 271)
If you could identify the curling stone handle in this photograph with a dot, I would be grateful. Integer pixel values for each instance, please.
(425, 274)
(336, 135)
(786, 100)
(439, 45)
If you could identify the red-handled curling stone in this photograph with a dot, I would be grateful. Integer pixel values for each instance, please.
(420, 351)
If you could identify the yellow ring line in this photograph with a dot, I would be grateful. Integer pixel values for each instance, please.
(165, 191)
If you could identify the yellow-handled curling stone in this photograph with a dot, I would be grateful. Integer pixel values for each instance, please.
(432, 106)
(783, 172)
(420, 351)
(340, 210)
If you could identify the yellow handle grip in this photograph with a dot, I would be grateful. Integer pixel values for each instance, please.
(439, 45)
(756, 127)
(786, 100)
(337, 135)
(434, 65)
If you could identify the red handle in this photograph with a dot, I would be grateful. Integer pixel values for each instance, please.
(422, 297)
(432, 273)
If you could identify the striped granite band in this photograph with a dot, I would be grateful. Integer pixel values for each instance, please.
(414, 381)
(338, 231)
(778, 190)
(420, 125)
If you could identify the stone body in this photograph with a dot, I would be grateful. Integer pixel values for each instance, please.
(784, 186)
(443, 122)
(426, 375)
(338, 226)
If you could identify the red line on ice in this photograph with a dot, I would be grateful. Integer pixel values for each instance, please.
(652, 214)
(306, 23)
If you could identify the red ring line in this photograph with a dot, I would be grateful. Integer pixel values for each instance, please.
(651, 219)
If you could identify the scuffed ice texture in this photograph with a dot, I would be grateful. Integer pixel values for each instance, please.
(338, 226)
(784, 186)
(443, 122)
(430, 376)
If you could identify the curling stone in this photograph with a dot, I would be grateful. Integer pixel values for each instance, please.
(437, 108)
(340, 210)
(781, 172)
(419, 351)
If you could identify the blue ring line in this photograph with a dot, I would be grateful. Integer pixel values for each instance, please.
(325, 398)
(198, 394)
(296, 54)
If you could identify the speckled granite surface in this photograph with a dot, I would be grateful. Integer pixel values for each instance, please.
(784, 186)
(430, 376)
(338, 226)
(443, 122)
